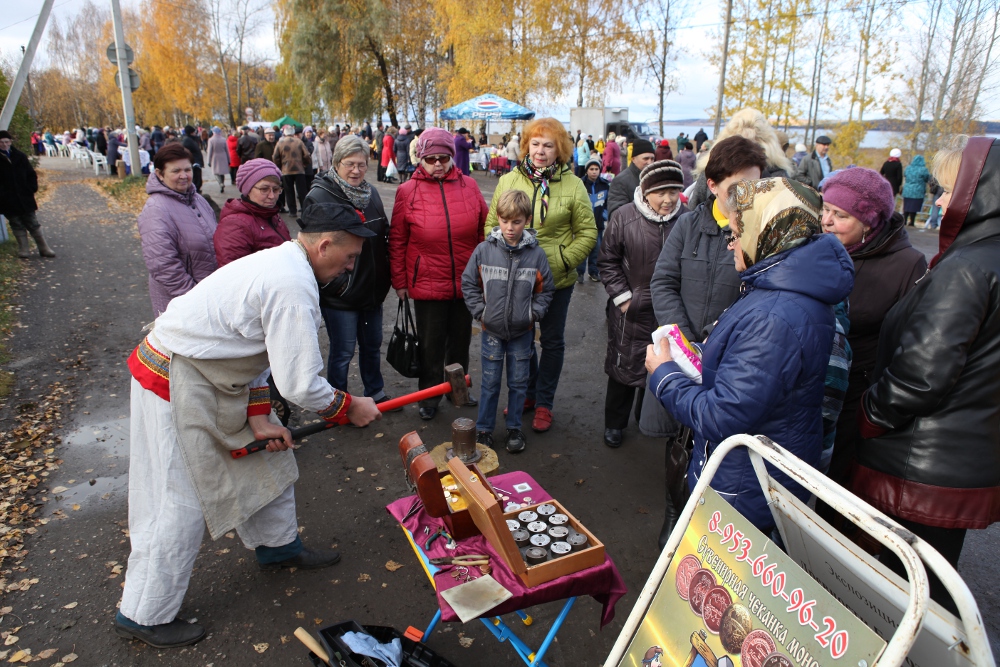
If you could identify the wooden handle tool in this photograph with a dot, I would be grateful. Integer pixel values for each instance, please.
(303, 636)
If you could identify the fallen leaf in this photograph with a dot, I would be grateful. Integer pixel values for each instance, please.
(300, 614)
(464, 641)
(318, 621)
(361, 469)
(69, 657)
(364, 577)
(76, 508)
(221, 552)
(555, 456)
(4, 654)
(380, 488)
(117, 569)
(385, 585)
(47, 653)
(260, 648)
(392, 566)
(580, 482)
(11, 639)
(642, 510)
(71, 605)
(59, 489)
(379, 435)
(230, 535)
(20, 656)
(6, 610)
(285, 639)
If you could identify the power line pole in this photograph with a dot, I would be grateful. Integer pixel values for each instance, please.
(722, 71)
(14, 94)
(126, 86)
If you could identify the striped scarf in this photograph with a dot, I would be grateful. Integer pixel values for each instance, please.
(358, 195)
(540, 177)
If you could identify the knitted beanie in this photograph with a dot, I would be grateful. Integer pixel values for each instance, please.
(252, 171)
(660, 175)
(642, 146)
(863, 193)
(435, 141)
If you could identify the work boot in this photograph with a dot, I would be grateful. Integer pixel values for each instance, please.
(23, 247)
(174, 634)
(613, 437)
(43, 248)
(307, 559)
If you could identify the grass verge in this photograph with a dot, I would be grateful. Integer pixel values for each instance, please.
(10, 271)
(129, 193)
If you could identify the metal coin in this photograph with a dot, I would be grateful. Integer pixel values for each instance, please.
(736, 624)
(546, 509)
(717, 601)
(535, 555)
(756, 647)
(560, 549)
(685, 570)
(578, 541)
(521, 538)
(702, 582)
(537, 527)
(558, 532)
(513, 525)
(540, 540)
(527, 517)
(558, 519)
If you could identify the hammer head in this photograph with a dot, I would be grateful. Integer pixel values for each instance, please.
(459, 389)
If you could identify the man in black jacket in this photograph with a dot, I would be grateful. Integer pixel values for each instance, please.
(18, 185)
(246, 145)
(193, 144)
(624, 184)
(352, 303)
(695, 277)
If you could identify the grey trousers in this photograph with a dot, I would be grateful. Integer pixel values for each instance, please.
(25, 223)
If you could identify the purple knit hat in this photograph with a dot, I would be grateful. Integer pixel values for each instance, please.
(863, 193)
(435, 141)
(252, 171)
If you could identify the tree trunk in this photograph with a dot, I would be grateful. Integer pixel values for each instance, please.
(983, 71)
(390, 100)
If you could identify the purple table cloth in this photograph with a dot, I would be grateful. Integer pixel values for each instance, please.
(603, 582)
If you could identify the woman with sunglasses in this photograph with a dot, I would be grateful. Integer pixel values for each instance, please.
(352, 303)
(437, 221)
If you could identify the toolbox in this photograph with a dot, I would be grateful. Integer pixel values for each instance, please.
(492, 522)
(415, 654)
(430, 485)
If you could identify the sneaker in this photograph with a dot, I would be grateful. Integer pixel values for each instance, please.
(594, 278)
(515, 440)
(529, 405)
(484, 438)
(542, 421)
(386, 398)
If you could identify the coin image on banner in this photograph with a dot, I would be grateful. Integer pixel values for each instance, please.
(702, 582)
(756, 647)
(777, 660)
(737, 622)
(685, 570)
(717, 601)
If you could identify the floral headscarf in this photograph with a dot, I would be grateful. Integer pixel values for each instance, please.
(773, 215)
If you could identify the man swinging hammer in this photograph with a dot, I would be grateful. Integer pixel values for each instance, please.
(199, 390)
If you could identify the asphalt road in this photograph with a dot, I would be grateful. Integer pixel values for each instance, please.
(82, 314)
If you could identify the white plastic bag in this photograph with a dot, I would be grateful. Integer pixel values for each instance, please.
(391, 171)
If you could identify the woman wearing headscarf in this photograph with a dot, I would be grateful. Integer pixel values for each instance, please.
(914, 189)
(764, 364)
(932, 415)
(437, 221)
(218, 157)
(564, 226)
(629, 250)
(176, 227)
(352, 303)
(858, 210)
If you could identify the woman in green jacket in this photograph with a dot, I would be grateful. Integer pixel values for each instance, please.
(563, 221)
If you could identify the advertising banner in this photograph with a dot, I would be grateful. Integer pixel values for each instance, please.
(732, 598)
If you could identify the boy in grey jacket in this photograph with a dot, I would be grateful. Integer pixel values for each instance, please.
(507, 286)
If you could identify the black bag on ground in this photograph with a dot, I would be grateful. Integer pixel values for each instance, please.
(403, 351)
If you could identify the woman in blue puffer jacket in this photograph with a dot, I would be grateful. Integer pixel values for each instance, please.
(764, 364)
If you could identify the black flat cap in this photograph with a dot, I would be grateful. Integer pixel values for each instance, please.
(823, 139)
(330, 217)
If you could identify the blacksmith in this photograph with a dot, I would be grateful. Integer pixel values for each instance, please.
(199, 390)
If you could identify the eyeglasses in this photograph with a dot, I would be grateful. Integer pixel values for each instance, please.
(352, 166)
(437, 159)
(268, 191)
(730, 237)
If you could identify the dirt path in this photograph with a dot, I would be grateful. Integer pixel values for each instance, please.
(81, 315)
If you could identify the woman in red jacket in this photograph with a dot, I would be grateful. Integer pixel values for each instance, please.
(234, 157)
(251, 223)
(437, 221)
(388, 153)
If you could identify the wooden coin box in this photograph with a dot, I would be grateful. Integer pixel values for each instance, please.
(424, 476)
(492, 522)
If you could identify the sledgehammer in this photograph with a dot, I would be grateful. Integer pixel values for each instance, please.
(457, 388)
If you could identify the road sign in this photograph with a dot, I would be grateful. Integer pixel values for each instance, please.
(113, 55)
(133, 79)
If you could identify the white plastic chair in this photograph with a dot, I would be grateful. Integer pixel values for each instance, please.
(51, 151)
(99, 162)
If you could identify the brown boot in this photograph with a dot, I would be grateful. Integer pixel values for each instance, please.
(23, 247)
(43, 248)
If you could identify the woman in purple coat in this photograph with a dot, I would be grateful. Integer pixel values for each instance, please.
(176, 227)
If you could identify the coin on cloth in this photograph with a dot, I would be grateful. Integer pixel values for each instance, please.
(736, 624)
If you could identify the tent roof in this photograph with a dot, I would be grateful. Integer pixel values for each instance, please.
(487, 107)
(287, 120)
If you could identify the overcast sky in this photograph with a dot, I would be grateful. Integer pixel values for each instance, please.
(699, 79)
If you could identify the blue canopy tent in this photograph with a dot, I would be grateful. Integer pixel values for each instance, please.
(487, 107)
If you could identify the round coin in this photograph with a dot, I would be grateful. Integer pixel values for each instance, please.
(702, 582)
(685, 570)
(513, 525)
(546, 509)
(558, 532)
(540, 540)
(777, 660)
(716, 602)
(578, 541)
(756, 647)
(535, 555)
(558, 519)
(537, 527)
(521, 538)
(527, 516)
(737, 622)
(560, 549)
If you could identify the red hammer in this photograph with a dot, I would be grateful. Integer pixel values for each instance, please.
(457, 387)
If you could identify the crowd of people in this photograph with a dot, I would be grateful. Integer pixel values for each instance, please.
(817, 323)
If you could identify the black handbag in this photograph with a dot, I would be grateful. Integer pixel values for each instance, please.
(403, 352)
